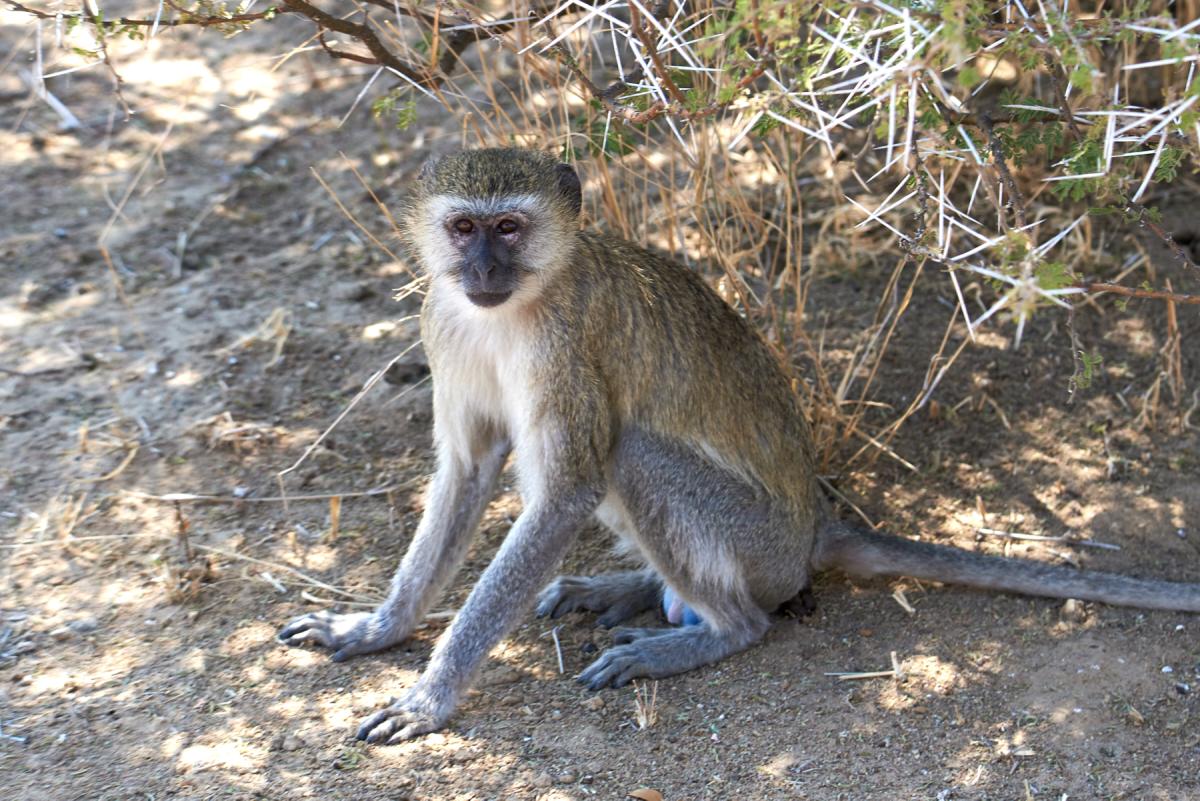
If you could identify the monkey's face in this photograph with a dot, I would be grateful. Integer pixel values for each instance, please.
(492, 252)
(487, 249)
(492, 226)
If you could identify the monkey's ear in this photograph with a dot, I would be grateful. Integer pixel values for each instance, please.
(428, 169)
(568, 186)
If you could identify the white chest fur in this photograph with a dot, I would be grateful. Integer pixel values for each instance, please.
(482, 377)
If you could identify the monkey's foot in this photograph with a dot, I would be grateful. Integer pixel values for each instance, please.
(655, 653)
(616, 596)
(415, 714)
(346, 635)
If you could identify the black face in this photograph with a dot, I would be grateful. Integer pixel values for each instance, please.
(488, 268)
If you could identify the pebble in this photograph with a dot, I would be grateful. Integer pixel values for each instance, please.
(84, 625)
(1072, 611)
(63, 633)
(595, 703)
(499, 676)
(566, 777)
(542, 781)
(291, 743)
(23, 647)
(355, 292)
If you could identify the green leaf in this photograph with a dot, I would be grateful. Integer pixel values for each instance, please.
(1053, 275)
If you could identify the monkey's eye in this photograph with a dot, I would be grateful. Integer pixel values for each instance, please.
(464, 226)
(506, 227)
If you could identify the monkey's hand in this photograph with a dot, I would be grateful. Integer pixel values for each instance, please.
(346, 635)
(419, 712)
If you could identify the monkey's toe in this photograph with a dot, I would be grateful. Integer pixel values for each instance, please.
(626, 635)
(616, 596)
(655, 653)
(616, 667)
(563, 595)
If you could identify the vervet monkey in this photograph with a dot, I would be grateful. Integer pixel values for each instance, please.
(627, 390)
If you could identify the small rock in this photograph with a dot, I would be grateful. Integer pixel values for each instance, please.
(354, 291)
(1168, 669)
(1183, 688)
(595, 767)
(23, 647)
(542, 781)
(462, 756)
(84, 625)
(291, 743)
(63, 633)
(406, 372)
(595, 703)
(498, 676)
(1072, 611)
(566, 777)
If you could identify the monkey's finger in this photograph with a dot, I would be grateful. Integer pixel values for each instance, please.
(316, 620)
(421, 725)
(298, 636)
(380, 727)
(353, 649)
(308, 631)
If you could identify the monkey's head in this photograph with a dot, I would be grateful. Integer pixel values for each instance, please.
(494, 222)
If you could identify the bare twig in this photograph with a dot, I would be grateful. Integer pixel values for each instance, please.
(1100, 288)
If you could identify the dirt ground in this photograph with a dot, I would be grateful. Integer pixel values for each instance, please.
(251, 311)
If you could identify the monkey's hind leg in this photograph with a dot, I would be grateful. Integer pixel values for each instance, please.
(724, 548)
(616, 596)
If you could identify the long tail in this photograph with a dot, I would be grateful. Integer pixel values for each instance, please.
(867, 553)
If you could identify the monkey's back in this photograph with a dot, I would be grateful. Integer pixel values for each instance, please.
(677, 360)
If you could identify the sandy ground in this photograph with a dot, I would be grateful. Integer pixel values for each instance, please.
(251, 311)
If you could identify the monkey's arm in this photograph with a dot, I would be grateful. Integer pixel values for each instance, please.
(526, 561)
(456, 501)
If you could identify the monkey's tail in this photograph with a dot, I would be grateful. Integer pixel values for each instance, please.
(867, 553)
